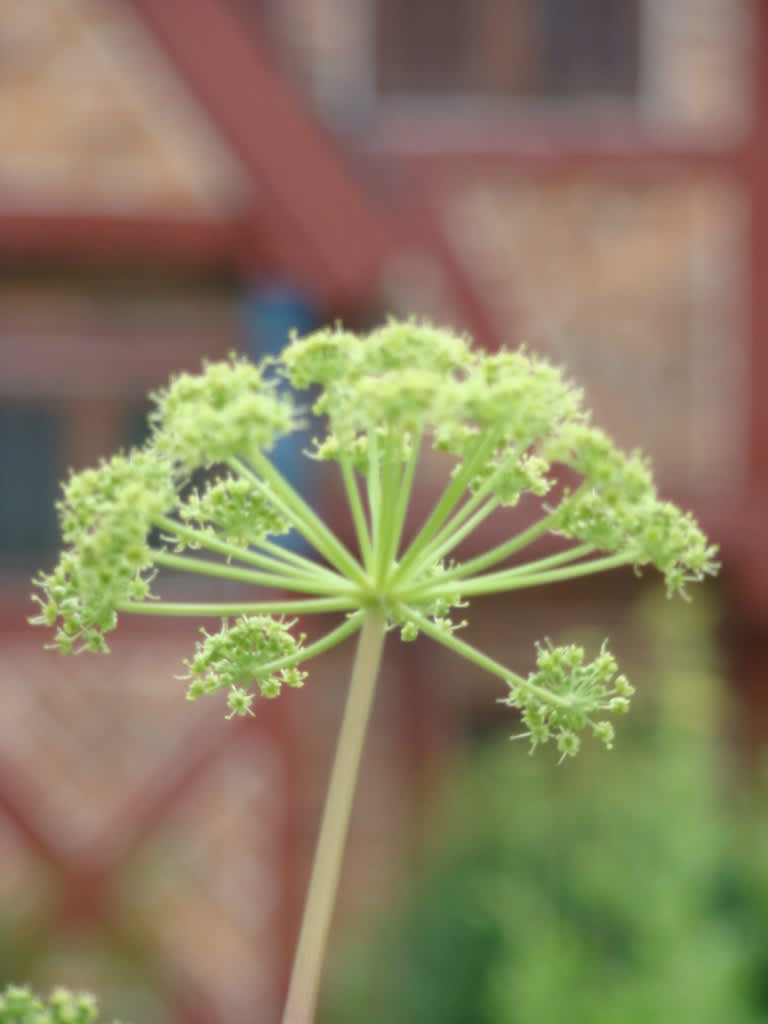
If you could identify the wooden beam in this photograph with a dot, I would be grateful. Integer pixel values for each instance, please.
(158, 240)
(757, 177)
(311, 206)
(427, 149)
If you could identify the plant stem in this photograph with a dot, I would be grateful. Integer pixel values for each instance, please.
(321, 895)
(450, 497)
(223, 610)
(443, 544)
(302, 585)
(403, 497)
(288, 501)
(356, 508)
(483, 661)
(282, 561)
(511, 579)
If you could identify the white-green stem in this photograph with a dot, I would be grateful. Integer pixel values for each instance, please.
(221, 610)
(304, 585)
(289, 502)
(450, 497)
(403, 497)
(321, 896)
(357, 510)
(281, 561)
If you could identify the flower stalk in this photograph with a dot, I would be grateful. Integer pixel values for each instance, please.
(323, 884)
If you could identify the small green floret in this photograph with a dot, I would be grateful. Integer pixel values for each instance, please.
(106, 516)
(18, 1005)
(257, 649)
(565, 693)
(233, 510)
(226, 411)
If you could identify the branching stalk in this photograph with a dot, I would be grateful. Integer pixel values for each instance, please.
(303, 585)
(450, 497)
(293, 506)
(226, 608)
(358, 512)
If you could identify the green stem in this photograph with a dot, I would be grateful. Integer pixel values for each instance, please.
(373, 487)
(502, 551)
(551, 561)
(321, 896)
(403, 497)
(265, 579)
(285, 555)
(288, 501)
(388, 501)
(301, 566)
(446, 503)
(325, 643)
(224, 609)
(513, 579)
(436, 551)
(357, 510)
(482, 660)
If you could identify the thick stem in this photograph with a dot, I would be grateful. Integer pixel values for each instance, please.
(321, 896)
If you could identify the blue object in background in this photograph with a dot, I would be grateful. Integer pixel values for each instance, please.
(272, 311)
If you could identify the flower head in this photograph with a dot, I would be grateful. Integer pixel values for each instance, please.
(513, 430)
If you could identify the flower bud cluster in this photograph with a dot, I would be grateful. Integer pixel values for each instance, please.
(519, 397)
(18, 1005)
(565, 693)
(617, 509)
(405, 379)
(227, 410)
(106, 515)
(233, 510)
(245, 653)
(510, 476)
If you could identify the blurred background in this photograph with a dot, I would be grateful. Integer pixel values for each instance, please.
(179, 178)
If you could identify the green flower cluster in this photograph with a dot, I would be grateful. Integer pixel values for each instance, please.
(18, 1005)
(233, 510)
(255, 648)
(228, 410)
(106, 515)
(618, 509)
(561, 698)
(406, 378)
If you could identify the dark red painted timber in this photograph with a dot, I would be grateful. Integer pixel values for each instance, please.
(757, 183)
(425, 150)
(305, 195)
(161, 239)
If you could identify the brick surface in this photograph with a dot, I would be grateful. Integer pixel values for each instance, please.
(93, 116)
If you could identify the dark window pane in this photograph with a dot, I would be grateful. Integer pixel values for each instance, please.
(589, 46)
(544, 48)
(29, 471)
(136, 425)
(422, 46)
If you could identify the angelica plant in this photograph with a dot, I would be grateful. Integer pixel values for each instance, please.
(204, 497)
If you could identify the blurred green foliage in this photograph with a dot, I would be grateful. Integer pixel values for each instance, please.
(623, 888)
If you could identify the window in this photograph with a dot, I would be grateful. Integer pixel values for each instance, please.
(29, 485)
(549, 49)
